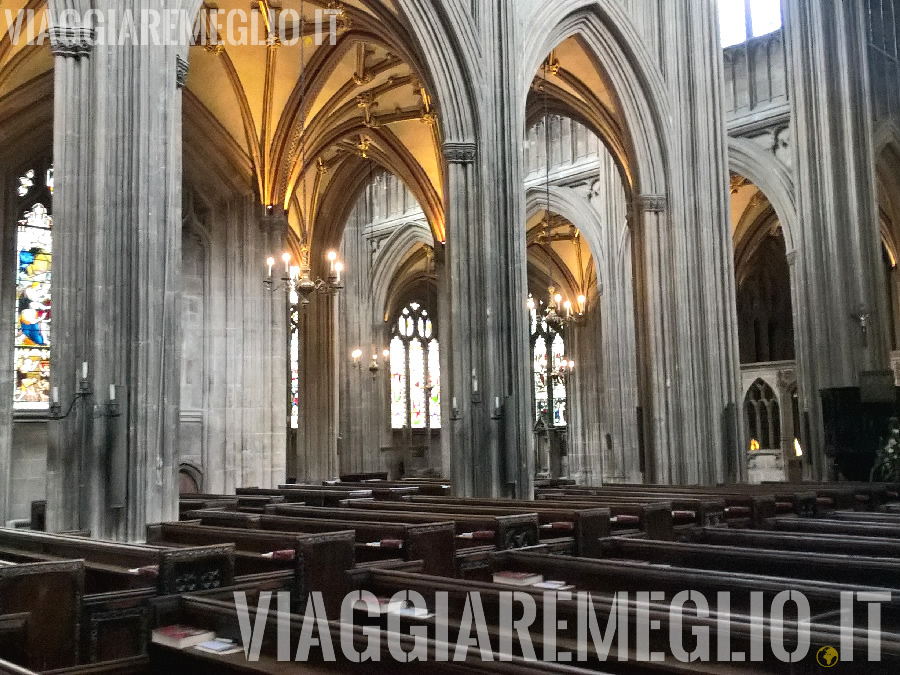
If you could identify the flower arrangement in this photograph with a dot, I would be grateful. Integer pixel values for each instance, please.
(887, 459)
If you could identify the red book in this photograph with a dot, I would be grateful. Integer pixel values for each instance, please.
(181, 637)
(284, 554)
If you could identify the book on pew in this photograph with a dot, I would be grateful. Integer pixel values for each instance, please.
(181, 637)
(517, 578)
(413, 613)
(219, 646)
(385, 606)
(485, 535)
(554, 586)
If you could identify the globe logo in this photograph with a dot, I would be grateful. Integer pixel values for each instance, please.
(827, 657)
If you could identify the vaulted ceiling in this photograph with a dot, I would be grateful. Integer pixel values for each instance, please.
(361, 101)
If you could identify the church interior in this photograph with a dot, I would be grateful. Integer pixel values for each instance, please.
(439, 295)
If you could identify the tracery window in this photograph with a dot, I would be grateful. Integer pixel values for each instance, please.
(739, 20)
(34, 253)
(294, 394)
(763, 417)
(415, 371)
(548, 346)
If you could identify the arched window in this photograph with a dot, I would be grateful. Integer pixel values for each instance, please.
(294, 394)
(415, 371)
(34, 252)
(739, 20)
(548, 346)
(763, 417)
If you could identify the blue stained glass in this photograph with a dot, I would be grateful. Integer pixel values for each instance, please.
(34, 255)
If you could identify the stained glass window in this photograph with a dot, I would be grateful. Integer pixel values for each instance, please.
(34, 252)
(549, 391)
(294, 401)
(415, 371)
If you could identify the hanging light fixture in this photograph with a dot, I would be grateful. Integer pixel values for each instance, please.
(559, 311)
(298, 281)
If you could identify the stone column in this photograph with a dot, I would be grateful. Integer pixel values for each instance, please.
(685, 263)
(458, 327)
(487, 266)
(844, 326)
(117, 281)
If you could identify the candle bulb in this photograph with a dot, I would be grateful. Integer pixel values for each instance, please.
(497, 402)
(271, 263)
(287, 262)
(338, 268)
(454, 403)
(112, 392)
(332, 256)
(84, 370)
(54, 395)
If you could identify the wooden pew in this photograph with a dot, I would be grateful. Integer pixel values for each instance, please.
(865, 496)
(791, 541)
(654, 519)
(221, 616)
(512, 531)
(113, 566)
(822, 630)
(382, 491)
(39, 613)
(828, 526)
(360, 477)
(855, 569)
(788, 499)
(247, 503)
(315, 495)
(584, 526)
(611, 576)
(318, 561)
(733, 510)
(432, 543)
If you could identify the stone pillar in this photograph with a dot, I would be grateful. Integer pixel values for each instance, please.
(843, 328)
(117, 149)
(689, 369)
(486, 249)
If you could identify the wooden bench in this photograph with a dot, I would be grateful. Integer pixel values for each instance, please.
(799, 501)
(112, 566)
(432, 543)
(315, 495)
(828, 526)
(39, 613)
(221, 616)
(792, 541)
(512, 531)
(836, 568)
(317, 560)
(584, 526)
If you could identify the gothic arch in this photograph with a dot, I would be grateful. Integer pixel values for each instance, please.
(772, 178)
(450, 57)
(581, 213)
(634, 80)
(404, 241)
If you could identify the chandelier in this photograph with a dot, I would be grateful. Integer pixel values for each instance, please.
(298, 281)
(558, 311)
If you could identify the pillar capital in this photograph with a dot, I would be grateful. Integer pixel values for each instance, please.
(460, 153)
(72, 41)
(653, 203)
